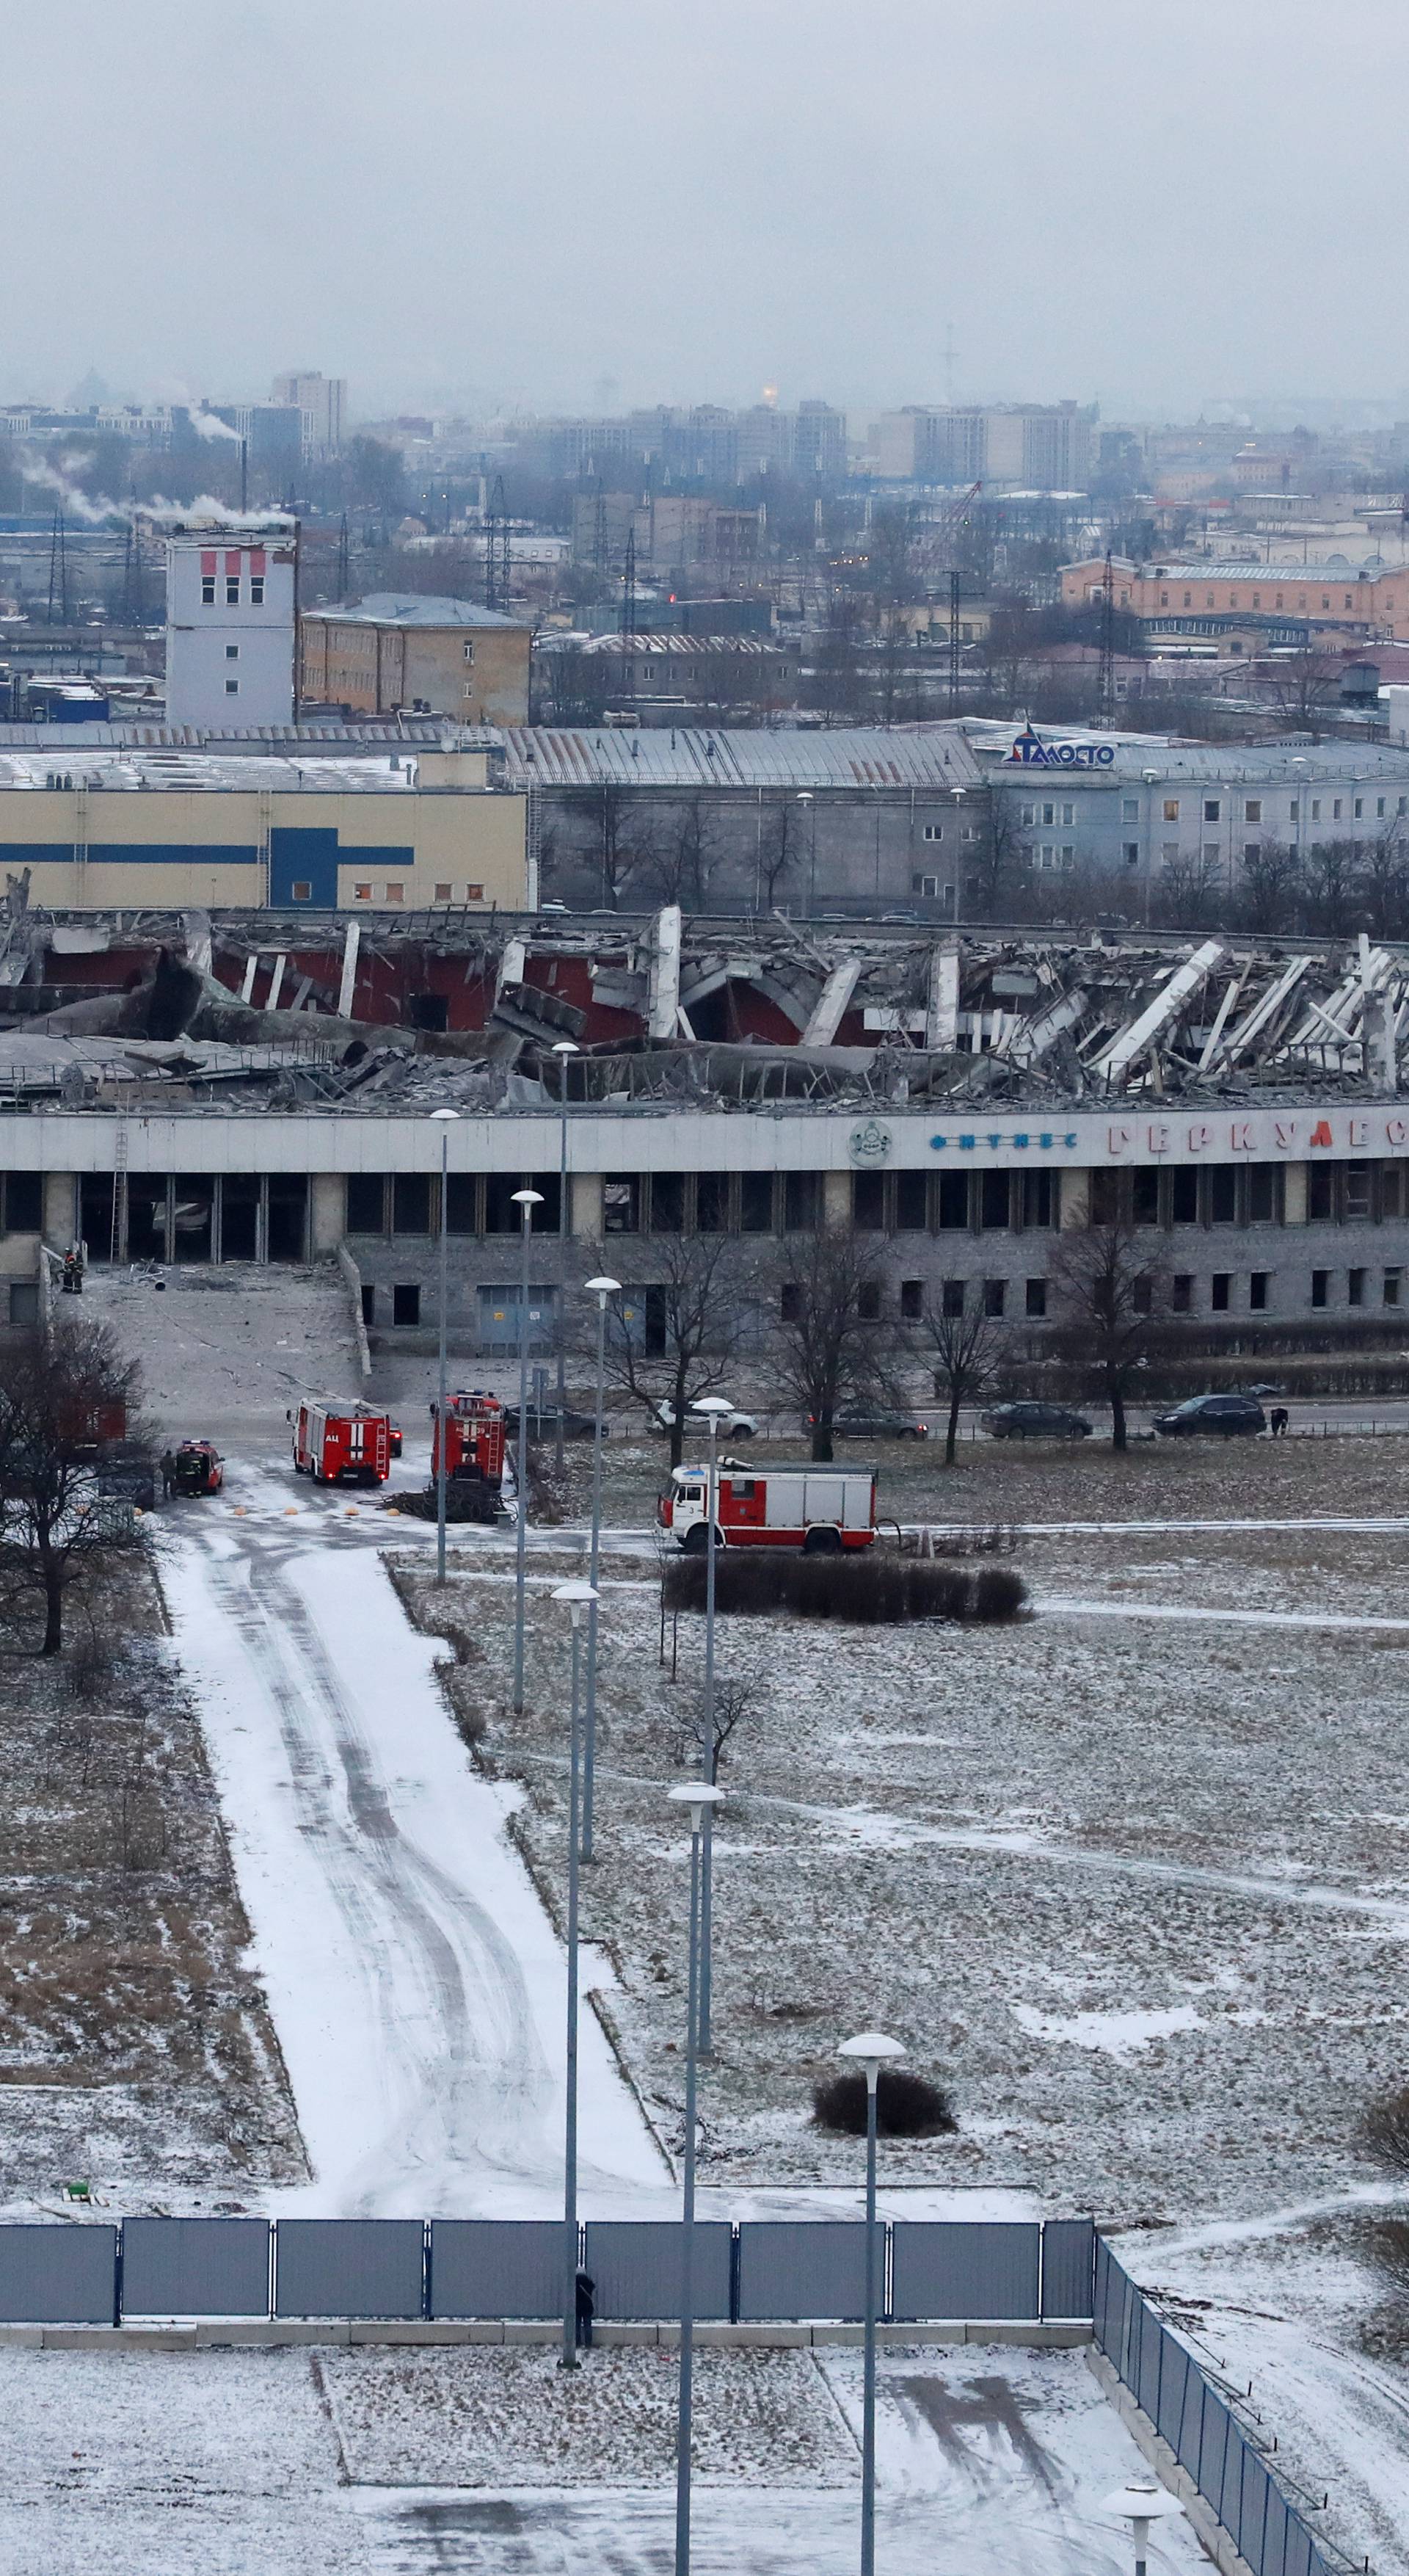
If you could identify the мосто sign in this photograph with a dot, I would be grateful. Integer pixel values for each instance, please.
(1031, 752)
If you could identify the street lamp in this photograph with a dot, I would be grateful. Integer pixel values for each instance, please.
(564, 1049)
(525, 1201)
(806, 799)
(577, 1598)
(445, 1116)
(700, 1798)
(1140, 2503)
(958, 794)
(711, 1406)
(601, 1289)
(871, 2050)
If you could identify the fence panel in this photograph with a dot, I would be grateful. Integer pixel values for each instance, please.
(195, 2267)
(1174, 2379)
(966, 2268)
(1068, 2253)
(58, 2276)
(496, 2267)
(635, 2267)
(802, 2268)
(349, 2267)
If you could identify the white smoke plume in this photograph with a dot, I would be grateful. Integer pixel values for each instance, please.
(208, 424)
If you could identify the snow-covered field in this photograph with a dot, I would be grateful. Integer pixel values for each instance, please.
(363, 2464)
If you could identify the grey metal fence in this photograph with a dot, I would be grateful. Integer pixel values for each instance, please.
(956, 2272)
(1225, 2463)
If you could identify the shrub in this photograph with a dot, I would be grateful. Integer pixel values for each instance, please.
(1385, 2129)
(874, 1590)
(907, 2106)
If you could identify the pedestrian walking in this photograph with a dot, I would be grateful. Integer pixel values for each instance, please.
(168, 1475)
(1280, 1420)
(586, 2310)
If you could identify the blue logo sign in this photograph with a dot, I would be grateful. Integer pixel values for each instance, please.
(1031, 752)
(966, 1144)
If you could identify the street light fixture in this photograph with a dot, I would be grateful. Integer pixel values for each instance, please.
(700, 1799)
(564, 1049)
(1140, 2503)
(445, 1116)
(807, 799)
(871, 2050)
(711, 1406)
(525, 1201)
(601, 1289)
(576, 1597)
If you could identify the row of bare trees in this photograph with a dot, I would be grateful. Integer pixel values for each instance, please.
(809, 1318)
(1331, 890)
(58, 1393)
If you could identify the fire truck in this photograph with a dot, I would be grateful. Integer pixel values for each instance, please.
(197, 1468)
(474, 1454)
(817, 1508)
(341, 1444)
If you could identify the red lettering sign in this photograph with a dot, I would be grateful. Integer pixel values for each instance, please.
(1198, 1138)
(1285, 1132)
(1321, 1132)
(1117, 1139)
(1241, 1136)
(1159, 1140)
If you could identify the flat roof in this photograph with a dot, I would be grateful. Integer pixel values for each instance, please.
(412, 608)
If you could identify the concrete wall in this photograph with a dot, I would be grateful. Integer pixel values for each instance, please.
(478, 675)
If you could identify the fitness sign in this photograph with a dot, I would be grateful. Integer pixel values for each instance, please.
(1031, 752)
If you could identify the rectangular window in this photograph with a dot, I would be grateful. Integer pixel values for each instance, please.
(802, 1192)
(756, 1203)
(1035, 1297)
(1320, 1287)
(1392, 1278)
(994, 1201)
(1049, 814)
(912, 1197)
(406, 1302)
(1144, 1198)
(953, 1201)
(1131, 853)
(208, 590)
(1315, 809)
(1251, 848)
(1038, 1199)
(1222, 1285)
(232, 652)
(442, 894)
(461, 1208)
(1105, 1198)
(366, 1203)
(1184, 1198)
(1171, 809)
(621, 1206)
(1391, 1189)
(1355, 1287)
(301, 890)
(1359, 808)
(1336, 803)
(912, 1300)
(1222, 1195)
(1262, 1195)
(257, 590)
(1068, 813)
(361, 894)
(1182, 1299)
(993, 1292)
(668, 1203)
(469, 689)
(469, 652)
(1257, 1292)
(790, 1301)
(23, 1203)
(1380, 808)
(232, 688)
(411, 1203)
(1321, 1193)
(232, 591)
(954, 1296)
(396, 893)
(711, 1203)
(1212, 809)
(1142, 1295)
(1252, 810)
(1358, 1179)
(1130, 809)
(934, 832)
(868, 1301)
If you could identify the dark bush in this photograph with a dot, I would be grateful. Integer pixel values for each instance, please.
(1385, 2129)
(877, 1589)
(907, 2106)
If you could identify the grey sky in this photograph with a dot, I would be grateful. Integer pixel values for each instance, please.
(1152, 202)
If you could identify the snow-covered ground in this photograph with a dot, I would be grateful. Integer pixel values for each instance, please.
(374, 2464)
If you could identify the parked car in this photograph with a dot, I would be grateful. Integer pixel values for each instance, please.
(1227, 1415)
(880, 1425)
(1031, 1420)
(544, 1425)
(733, 1425)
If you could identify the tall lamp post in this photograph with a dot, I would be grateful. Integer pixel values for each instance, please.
(576, 1597)
(808, 803)
(871, 2050)
(445, 1116)
(601, 1289)
(564, 1049)
(711, 1406)
(525, 1201)
(699, 1797)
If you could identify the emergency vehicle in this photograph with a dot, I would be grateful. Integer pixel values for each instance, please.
(817, 1508)
(341, 1444)
(197, 1468)
(475, 1428)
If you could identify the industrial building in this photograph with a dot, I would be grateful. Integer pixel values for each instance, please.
(961, 1102)
(1282, 604)
(425, 655)
(231, 594)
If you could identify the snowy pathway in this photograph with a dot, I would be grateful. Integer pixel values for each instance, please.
(416, 1984)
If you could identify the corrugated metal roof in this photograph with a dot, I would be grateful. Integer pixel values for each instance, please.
(858, 757)
(121, 772)
(412, 608)
(363, 735)
(1293, 576)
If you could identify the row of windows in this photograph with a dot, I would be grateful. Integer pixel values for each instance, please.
(1365, 1193)
(1346, 599)
(1341, 809)
(394, 891)
(195, 1216)
(233, 588)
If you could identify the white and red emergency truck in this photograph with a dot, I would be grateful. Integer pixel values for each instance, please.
(817, 1508)
(341, 1444)
(474, 1453)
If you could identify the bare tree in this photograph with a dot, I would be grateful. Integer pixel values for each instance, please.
(830, 1347)
(681, 859)
(1188, 889)
(968, 1350)
(1107, 1291)
(1333, 887)
(739, 1700)
(1384, 883)
(54, 1395)
(997, 869)
(1271, 883)
(1304, 689)
(779, 849)
(677, 1340)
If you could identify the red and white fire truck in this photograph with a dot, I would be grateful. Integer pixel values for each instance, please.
(341, 1444)
(817, 1508)
(474, 1453)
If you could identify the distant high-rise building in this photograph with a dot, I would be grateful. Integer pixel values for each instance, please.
(323, 403)
(1036, 447)
(819, 442)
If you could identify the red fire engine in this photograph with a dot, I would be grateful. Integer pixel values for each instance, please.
(341, 1444)
(474, 1453)
(817, 1508)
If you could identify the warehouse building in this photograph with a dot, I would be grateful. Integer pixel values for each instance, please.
(427, 656)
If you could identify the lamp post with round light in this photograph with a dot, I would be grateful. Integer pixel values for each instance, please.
(525, 1201)
(699, 1798)
(564, 1049)
(871, 2050)
(576, 1597)
(446, 1116)
(1141, 2502)
(713, 1407)
(601, 1289)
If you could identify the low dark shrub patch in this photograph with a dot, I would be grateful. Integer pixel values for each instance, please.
(907, 2106)
(1385, 2129)
(874, 1590)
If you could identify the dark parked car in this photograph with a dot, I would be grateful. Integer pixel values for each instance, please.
(1030, 1420)
(1227, 1415)
(544, 1425)
(876, 1426)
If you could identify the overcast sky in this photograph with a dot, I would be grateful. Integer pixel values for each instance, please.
(581, 204)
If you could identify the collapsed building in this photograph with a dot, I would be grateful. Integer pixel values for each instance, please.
(257, 1087)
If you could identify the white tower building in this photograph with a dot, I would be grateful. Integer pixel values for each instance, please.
(231, 603)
